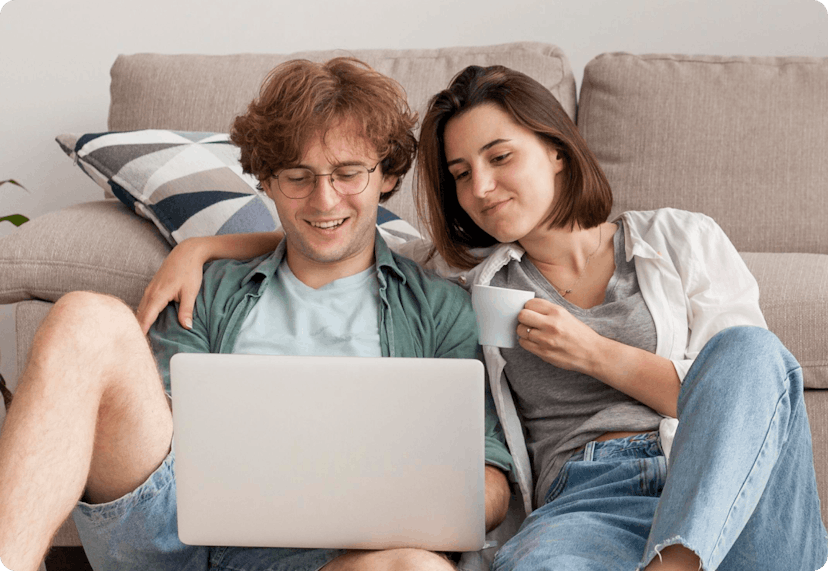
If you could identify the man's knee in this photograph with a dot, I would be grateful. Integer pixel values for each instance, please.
(406, 559)
(90, 336)
(82, 306)
(82, 321)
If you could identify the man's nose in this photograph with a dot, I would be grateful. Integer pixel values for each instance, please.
(324, 196)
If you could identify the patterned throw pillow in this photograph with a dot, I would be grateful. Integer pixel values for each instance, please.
(188, 183)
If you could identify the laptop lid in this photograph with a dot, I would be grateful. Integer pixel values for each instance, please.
(338, 452)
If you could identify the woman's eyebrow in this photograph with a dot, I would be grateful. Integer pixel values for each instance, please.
(484, 148)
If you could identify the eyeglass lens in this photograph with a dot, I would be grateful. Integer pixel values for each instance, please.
(348, 179)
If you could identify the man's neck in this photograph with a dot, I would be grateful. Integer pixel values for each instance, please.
(316, 274)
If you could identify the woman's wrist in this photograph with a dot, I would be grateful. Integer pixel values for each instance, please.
(202, 248)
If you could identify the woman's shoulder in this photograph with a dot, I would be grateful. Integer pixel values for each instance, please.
(663, 216)
(668, 223)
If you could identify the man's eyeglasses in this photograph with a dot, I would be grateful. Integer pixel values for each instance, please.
(346, 180)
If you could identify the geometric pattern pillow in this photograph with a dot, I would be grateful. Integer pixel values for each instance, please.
(187, 183)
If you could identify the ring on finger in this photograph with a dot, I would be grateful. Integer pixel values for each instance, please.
(528, 331)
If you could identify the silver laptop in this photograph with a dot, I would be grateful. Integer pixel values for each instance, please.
(339, 452)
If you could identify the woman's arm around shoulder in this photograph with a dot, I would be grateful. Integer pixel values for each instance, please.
(179, 277)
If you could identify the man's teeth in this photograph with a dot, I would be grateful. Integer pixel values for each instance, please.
(328, 224)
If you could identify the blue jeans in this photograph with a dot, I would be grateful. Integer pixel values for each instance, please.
(140, 532)
(740, 489)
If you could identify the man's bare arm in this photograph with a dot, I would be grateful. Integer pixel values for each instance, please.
(497, 497)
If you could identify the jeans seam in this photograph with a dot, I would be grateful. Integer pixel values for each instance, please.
(742, 487)
(215, 561)
(559, 484)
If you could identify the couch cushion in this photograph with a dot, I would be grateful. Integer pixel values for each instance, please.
(743, 140)
(793, 295)
(205, 92)
(188, 183)
(96, 246)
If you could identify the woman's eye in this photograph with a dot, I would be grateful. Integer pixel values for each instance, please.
(501, 157)
(461, 175)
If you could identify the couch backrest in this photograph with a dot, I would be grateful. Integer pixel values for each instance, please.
(205, 92)
(744, 140)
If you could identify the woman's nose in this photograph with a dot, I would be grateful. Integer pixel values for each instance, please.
(483, 182)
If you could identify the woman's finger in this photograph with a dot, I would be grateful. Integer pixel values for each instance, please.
(149, 308)
(186, 305)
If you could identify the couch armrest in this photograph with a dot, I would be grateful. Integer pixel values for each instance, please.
(793, 295)
(96, 246)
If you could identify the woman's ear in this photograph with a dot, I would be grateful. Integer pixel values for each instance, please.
(556, 157)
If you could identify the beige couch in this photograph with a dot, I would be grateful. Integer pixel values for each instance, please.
(744, 140)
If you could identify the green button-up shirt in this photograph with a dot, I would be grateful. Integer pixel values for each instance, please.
(420, 315)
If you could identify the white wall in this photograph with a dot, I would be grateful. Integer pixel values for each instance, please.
(55, 56)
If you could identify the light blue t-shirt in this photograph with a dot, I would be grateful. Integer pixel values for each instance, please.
(291, 318)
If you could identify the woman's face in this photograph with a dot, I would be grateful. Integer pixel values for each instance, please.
(504, 173)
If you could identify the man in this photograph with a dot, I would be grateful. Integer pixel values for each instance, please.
(91, 419)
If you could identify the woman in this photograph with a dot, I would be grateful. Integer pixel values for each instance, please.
(634, 321)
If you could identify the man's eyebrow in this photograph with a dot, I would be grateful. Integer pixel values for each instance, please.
(334, 165)
(484, 148)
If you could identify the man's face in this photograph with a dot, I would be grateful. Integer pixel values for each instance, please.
(326, 231)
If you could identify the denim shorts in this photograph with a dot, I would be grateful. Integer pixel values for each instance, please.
(140, 531)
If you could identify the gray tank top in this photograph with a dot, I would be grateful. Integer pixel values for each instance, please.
(563, 410)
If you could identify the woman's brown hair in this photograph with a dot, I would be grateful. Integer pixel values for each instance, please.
(300, 98)
(585, 198)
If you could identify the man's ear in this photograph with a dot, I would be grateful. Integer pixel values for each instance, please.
(265, 186)
(388, 183)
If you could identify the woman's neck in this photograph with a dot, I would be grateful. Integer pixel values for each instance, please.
(562, 248)
(577, 263)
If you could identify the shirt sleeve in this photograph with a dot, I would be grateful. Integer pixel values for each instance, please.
(167, 337)
(458, 339)
(721, 292)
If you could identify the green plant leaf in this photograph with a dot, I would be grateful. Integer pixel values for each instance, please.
(14, 182)
(16, 219)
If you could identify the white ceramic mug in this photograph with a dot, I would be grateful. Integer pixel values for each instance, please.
(497, 309)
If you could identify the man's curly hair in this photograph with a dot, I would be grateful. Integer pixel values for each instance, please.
(300, 98)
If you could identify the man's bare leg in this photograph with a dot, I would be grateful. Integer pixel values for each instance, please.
(89, 415)
(391, 560)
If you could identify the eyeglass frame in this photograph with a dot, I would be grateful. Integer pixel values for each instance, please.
(331, 180)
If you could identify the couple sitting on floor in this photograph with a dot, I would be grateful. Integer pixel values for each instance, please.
(635, 322)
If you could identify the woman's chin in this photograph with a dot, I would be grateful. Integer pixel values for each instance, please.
(505, 236)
